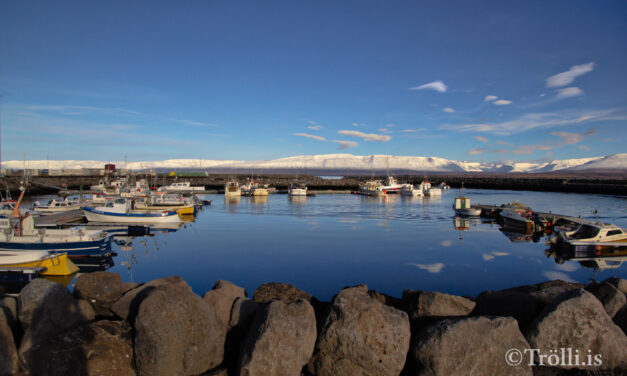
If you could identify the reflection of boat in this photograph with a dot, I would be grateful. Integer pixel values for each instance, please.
(297, 189)
(410, 190)
(462, 207)
(74, 241)
(55, 206)
(589, 257)
(120, 211)
(94, 263)
(183, 186)
(517, 237)
(55, 264)
(232, 188)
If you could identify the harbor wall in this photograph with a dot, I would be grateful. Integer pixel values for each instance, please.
(106, 327)
(606, 184)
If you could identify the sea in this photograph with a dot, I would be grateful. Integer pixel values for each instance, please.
(324, 243)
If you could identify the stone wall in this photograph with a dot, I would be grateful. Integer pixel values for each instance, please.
(107, 327)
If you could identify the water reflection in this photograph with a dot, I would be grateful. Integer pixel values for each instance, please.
(592, 257)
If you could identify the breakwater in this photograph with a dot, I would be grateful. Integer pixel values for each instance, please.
(162, 327)
(600, 184)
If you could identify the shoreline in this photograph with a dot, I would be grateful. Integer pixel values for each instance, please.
(162, 327)
(598, 184)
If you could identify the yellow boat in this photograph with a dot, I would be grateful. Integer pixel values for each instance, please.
(187, 210)
(58, 264)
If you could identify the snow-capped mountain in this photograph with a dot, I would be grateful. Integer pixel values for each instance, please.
(344, 163)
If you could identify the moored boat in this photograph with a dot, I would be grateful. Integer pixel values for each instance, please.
(462, 206)
(410, 190)
(77, 241)
(119, 211)
(231, 188)
(183, 186)
(370, 188)
(55, 264)
(518, 218)
(297, 189)
(56, 206)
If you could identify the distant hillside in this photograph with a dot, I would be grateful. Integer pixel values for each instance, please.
(336, 164)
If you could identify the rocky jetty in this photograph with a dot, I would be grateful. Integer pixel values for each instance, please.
(162, 327)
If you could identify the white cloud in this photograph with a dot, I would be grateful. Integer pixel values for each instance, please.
(487, 257)
(319, 138)
(346, 144)
(502, 102)
(569, 138)
(438, 86)
(540, 120)
(566, 78)
(312, 122)
(448, 109)
(384, 130)
(193, 123)
(431, 268)
(569, 92)
(481, 138)
(315, 127)
(489, 98)
(476, 151)
(389, 125)
(366, 136)
(355, 124)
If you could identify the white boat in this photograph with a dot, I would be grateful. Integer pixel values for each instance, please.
(443, 186)
(56, 206)
(231, 188)
(371, 188)
(120, 211)
(297, 189)
(596, 233)
(424, 186)
(21, 235)
(433, 192)
(410, 190)
(390, 185)
(260, 190)
(462, 206)
(183, 186)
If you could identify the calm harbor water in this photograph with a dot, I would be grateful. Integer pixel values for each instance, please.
(321, 244)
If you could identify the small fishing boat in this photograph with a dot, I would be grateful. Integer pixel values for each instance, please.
(462, 206)
(120, 211)
(443, 186)
(595, 235)
(56, 206)
(260, 191)
(370, 188)
(231, 188)
(55, 264)
(410, 190)
(183, 186)
(433, 192)
(21, 235)
(160, 202)
(518, 217)
(297, 189)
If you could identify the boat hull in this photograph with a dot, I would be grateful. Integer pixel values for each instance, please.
(80, 248)
(94, 215)
(55, 265)
(297, 192)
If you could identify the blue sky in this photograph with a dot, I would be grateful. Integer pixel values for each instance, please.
(464, 80)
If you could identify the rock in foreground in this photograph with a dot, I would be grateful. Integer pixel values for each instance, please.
(280, 341)
(361, 336)
(469, 346)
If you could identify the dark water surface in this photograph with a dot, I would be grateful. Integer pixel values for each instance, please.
(323, 243)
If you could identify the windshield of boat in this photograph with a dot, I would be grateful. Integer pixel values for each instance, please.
(585, 232)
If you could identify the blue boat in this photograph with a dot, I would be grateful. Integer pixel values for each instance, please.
(20, 235)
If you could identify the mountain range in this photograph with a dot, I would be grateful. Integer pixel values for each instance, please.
(336, 164)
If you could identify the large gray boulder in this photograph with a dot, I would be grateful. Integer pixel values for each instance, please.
(469, 346)
(100, 289)
(620, 319)
(222, 297)
(8, 352)
(578, 321)
(126, 307)
(361, 336)
(177, 333)
(101, 348)
(280, 341)
(612, 298)
(47, 309)
(434, 304)
(524, 303)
